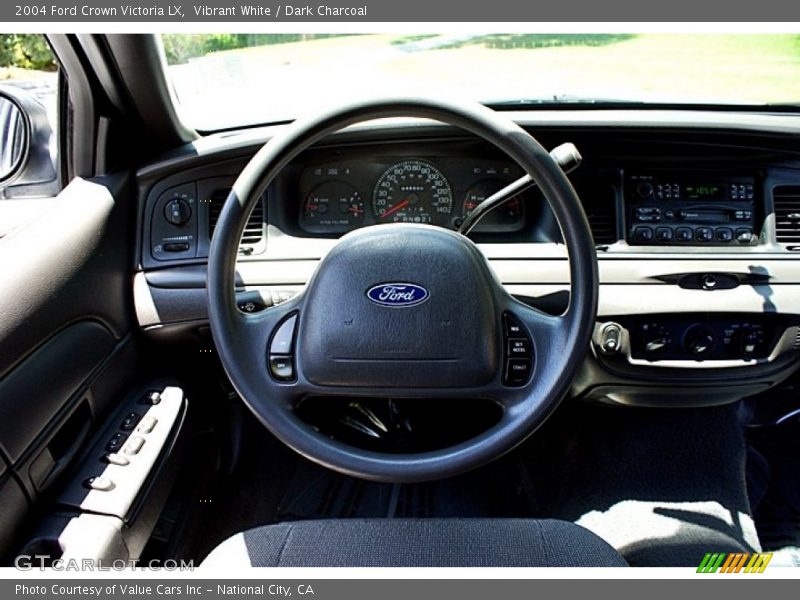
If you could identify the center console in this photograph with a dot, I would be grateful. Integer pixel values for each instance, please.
(697, 209)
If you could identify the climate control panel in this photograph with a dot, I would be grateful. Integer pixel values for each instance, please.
(703, 336)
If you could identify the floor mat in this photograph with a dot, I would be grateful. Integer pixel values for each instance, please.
(778, 512)
(662, 486)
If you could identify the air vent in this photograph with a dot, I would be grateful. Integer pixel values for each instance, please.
(796, 344)
(600, 204)
(253, 231)
(787, 213)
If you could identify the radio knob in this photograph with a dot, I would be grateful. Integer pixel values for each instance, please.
(644, 190)
(698, 340)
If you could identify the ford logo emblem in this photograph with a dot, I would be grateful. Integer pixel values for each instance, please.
(398, 295)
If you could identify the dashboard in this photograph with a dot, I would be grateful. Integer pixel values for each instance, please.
(696, 220)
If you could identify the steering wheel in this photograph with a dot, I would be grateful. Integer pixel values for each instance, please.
(403, 311)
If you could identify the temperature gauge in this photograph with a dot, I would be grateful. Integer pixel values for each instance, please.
(333, 206)
(507, 217)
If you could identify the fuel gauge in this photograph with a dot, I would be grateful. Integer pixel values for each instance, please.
(333, 206)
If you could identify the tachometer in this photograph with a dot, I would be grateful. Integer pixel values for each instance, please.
(413, 191)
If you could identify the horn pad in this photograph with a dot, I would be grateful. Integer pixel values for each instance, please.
(368, 321)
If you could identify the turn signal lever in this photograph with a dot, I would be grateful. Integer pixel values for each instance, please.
(567, 157)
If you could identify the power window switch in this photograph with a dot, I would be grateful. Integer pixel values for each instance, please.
(147, 425)
(116, 459)
(99, 484)
(133, 446)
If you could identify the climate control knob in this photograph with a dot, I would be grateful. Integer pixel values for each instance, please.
(698, 340)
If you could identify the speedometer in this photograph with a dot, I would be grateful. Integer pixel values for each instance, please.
(413, 191)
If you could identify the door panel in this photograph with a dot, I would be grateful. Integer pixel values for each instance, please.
(65, 321)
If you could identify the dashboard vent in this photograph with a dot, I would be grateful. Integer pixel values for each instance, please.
(253, 231)
(787, 213)
(600, 204)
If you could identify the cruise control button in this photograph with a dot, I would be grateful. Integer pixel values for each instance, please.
(513, 327)
(100, 484)
(518, 371)
(281, 367)
(133, 446)
(284, 337)
(519, 348)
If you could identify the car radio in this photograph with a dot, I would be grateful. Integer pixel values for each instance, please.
(675, 209)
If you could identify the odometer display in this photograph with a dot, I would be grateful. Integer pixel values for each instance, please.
(413, 191)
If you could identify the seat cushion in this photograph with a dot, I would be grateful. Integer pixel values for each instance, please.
(417, 543)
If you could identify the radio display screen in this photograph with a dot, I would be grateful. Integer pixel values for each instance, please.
(705, 192)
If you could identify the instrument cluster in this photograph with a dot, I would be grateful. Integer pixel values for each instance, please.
(338, 196)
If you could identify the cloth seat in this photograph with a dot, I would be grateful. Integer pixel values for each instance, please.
(416, 543)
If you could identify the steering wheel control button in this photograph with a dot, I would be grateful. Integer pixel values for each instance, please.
(117, 459)
(133, 446)
(99, 484)
(519, 348)
(281, 368)
(130, 421)
(518, 371)
(611, 338)
(147, 425)
(518, 352)
(283, 338)
(513, 327)
(116, 442)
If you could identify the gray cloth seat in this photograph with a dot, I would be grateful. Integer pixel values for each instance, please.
(417, 543)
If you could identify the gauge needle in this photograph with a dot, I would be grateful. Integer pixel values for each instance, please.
(396, 207)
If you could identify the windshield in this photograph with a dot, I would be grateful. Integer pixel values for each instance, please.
(229, 80)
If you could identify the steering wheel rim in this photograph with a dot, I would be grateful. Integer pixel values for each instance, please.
(559, 343)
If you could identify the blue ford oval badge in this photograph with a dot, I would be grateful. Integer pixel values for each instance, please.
(398, 295)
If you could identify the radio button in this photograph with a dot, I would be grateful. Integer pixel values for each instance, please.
(704, 234)
(724, 234)
(744, 236)
(743, 215)
(643, 234)
(664, 234)
(684, 234)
